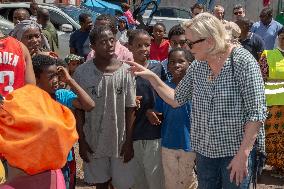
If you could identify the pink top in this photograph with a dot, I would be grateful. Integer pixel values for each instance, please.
(129, 17)
(121, 52)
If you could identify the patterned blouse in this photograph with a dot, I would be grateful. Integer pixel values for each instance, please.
(222, 106)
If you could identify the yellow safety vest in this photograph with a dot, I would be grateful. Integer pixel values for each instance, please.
(275, 60)
(275, 90)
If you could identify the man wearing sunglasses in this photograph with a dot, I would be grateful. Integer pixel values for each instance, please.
(239, 11)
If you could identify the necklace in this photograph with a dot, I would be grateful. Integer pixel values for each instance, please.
(211, 76)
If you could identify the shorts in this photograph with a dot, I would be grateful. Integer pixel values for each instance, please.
(101, 170)
(178, 169)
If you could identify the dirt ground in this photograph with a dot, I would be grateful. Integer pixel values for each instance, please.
(265, 182)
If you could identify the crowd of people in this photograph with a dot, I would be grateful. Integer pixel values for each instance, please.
(149, 111)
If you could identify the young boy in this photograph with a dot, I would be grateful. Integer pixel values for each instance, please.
(105, 141)
(48, 75)
(177, 40)
(177, 158)
(73, 61)
(147, 130)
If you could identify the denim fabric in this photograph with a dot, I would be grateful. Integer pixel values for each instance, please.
(212, 173)
(251, 163)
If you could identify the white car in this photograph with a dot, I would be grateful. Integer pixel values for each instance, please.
(5, 26)
(63, 20)
(169, 16)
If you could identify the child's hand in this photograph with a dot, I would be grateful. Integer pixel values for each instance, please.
(84, 148)
(63, 74)
(138, 102)
(127, 151)
(153, 117)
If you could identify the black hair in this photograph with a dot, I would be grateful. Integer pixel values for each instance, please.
(42, 12)
(135, 33)
(111, 19)
(266, 11)
(187, 54)
(176, 30)
(96, 33)
(40, 61)
(280, 31)
(198, 6)
(83, 17)
(61, 62)
(245, 21)
(238, 6)
(22, 9)
(160, 24)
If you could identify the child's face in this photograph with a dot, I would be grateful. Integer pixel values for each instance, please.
(178, 41)
(178, 64)
(158, 32)
(73, 64)
(48, 79)
(121, 25)
(105, 45)
(140, 48)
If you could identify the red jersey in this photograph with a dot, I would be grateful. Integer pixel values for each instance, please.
(159, 52)
(12, 65)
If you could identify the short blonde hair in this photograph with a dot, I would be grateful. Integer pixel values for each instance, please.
(205, 25)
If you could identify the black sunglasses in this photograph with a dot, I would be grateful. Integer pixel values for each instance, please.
(238, 12)
(190, 44)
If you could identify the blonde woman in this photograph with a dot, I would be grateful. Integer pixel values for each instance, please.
(225, 86)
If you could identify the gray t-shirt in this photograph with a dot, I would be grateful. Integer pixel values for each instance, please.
(104, 127)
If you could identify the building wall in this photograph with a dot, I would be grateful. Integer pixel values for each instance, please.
(253, 7)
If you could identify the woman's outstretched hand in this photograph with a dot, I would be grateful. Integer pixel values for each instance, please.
(139, 70)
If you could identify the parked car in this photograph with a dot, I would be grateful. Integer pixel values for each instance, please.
(169, 16)
(63, 17)
(5, 26)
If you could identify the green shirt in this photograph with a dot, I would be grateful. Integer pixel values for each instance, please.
(50, 33)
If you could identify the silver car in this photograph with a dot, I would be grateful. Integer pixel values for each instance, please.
(169, 16)
(64, 23)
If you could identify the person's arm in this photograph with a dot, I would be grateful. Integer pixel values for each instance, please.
(29, 72)
(163, 90)
(156, 113)
(252, 91)
(263, 64)
(127, 151)
(260, 46)
(72, 44)
(84, 101)
(84, 147)
(72, 50)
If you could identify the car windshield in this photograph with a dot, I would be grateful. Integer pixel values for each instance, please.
(74, 12)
